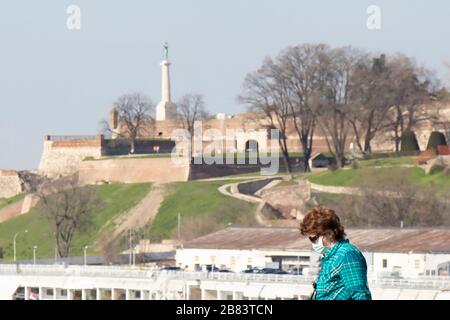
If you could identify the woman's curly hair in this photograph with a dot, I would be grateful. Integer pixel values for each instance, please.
(324, 222)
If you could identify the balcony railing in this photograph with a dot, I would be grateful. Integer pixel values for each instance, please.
(436, 283)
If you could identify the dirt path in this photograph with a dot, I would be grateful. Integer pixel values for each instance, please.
(11, 211)
(138, 216)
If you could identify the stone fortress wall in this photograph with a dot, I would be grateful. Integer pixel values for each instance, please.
(63, 155)
(133, 170)
(10, 183)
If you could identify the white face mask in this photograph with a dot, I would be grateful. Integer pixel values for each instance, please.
(319, 247)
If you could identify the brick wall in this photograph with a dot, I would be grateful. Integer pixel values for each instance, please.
(77, 144)
(133, 170)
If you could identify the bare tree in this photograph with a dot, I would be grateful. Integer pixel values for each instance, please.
(372, 98)
(69, 208)
(299, 67)
(266, 93)
(340, 93)
(394, 199)
(391, 199)
(333, 100)
(414, 96)
(134, 117)
(191, 108)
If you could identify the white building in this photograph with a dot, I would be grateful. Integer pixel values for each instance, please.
(402, 252)
(238, 248)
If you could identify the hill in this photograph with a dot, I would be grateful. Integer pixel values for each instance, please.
(202, 207)
(118, 198)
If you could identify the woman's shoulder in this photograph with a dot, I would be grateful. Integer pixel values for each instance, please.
(348, 251)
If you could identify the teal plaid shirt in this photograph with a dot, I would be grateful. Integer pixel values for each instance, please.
(343, 275)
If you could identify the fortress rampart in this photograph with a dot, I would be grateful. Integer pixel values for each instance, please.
(10, 183)
(63, 155)
(133, 170)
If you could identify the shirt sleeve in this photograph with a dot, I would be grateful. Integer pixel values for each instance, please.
(354, 276)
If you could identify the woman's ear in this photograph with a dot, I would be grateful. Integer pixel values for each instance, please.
(327, 241)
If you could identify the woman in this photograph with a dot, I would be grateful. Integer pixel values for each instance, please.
(343, 275)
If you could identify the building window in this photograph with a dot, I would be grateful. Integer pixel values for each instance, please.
(384, 263)
(417, 264)
(428, 272)
(433, 272)
(63, 292)
(49, 292)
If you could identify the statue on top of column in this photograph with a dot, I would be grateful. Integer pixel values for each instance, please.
(166, 51)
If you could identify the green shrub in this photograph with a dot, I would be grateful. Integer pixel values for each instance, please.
(437, 168)
(436, 139)
(409, 142)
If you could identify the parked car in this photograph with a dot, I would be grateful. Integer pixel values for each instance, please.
(281, 272)
(212, 269)
(225, 270)
(272, 271)
(170, 268)
(296, 271)
(268, 270)
(251, 270)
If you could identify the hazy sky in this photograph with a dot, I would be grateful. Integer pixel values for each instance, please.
(57, 81)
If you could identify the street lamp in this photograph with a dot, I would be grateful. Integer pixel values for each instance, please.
(34, 254)
(85, 248)
(14, 243)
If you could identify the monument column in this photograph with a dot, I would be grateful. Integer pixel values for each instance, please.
(165, 108)
(165, 81)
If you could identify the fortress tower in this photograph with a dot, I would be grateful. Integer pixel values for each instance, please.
(166, 109)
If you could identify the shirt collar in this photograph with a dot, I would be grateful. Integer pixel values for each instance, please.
(333, 250)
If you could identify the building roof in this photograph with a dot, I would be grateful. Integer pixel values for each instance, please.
(289, 239)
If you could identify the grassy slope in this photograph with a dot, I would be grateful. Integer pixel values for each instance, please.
(118, 198)
(352, 177)
(332, 178)
(386, 162)
(197, 199)
(8, 201)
